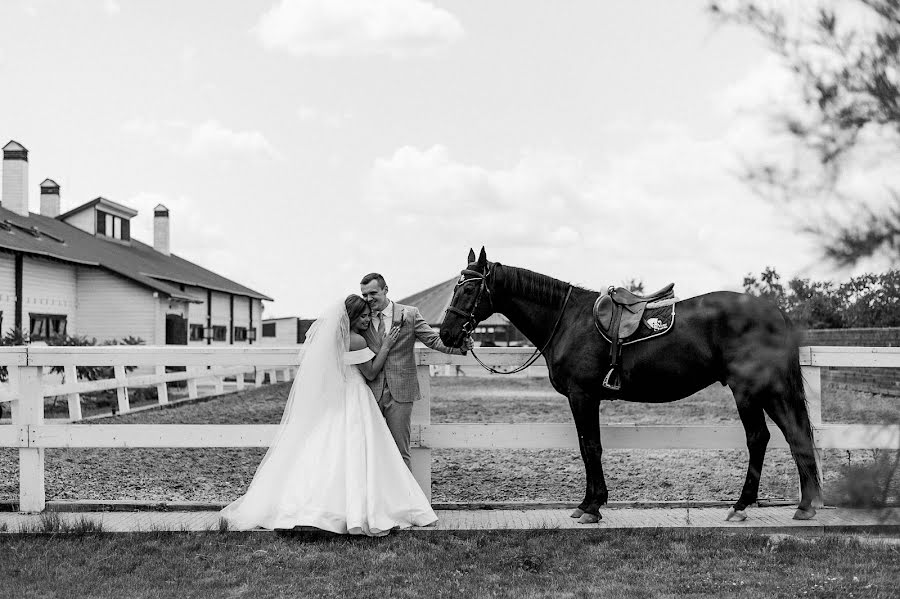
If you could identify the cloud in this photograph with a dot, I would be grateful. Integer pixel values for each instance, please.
(666, 210)
(756, 106)
(212, 139)
(334, 120)
(209, 139)
(357, 27)
(35, 8)
(196, 234)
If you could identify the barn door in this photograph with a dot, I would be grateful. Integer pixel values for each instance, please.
(176, 329)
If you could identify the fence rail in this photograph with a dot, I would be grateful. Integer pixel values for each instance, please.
(28, 385)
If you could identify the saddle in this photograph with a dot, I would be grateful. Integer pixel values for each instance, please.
(618, 315)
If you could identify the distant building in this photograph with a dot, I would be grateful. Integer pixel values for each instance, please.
(289, 330)
(434, 301)
(81, 273)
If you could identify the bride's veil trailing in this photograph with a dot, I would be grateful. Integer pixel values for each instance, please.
(318, 389)
(322, 373)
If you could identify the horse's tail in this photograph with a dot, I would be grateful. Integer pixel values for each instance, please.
(804, 450)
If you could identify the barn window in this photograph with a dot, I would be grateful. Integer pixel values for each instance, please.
(220, 333)
(196, 332)
(268, 329)
(110, 225)
(240, 333)
(46, 326)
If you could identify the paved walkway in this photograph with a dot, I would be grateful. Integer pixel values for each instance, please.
(762, 519)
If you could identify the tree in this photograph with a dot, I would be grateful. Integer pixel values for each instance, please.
(870, 300)
(845, 59)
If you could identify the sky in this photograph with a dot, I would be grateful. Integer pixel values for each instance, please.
(300, 144)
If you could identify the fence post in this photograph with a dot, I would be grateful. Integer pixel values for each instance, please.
(71, 376)
(121, 389)
(258, 378)
(239, 380)
(162, 389)
(30, 412)
(219, 382)
(420, 457)
(812, 386)
(192, 382)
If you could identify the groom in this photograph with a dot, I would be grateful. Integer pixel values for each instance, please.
(396, 386)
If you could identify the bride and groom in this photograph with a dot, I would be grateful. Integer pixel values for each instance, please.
(340, 458)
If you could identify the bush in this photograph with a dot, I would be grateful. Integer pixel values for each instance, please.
(867, 485)
(870, 300)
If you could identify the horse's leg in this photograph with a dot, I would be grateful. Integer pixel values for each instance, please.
(793, 420)
(754, 421)
(586, 412)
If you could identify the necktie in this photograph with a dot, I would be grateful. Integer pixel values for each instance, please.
(380, 329)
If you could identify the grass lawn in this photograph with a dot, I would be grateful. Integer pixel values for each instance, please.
(443, 564)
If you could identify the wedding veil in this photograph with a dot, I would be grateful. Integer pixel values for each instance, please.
(322, 373)
(319, 390)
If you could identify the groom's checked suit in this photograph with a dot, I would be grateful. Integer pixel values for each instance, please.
(396, 387)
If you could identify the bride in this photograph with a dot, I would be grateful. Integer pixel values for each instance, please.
(333, 464)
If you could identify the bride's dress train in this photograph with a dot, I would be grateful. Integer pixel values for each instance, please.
(333, 464)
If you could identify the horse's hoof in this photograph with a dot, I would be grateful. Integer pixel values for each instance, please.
(589, 518)
(736, 515)
(804, 514)
(576, 513)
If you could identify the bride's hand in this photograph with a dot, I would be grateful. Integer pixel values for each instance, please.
(390, 338)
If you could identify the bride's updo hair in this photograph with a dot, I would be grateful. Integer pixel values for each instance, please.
(355, 306)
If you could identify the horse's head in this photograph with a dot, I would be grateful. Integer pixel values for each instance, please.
(471, 302)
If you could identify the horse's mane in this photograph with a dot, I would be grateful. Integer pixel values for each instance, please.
(524, 282)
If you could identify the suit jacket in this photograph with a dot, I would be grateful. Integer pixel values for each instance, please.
(399, 372)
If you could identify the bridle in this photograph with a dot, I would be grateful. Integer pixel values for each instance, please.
(467, 276)
(471, 322)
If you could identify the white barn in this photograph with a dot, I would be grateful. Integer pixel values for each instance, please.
(289, 330)
(81, 273)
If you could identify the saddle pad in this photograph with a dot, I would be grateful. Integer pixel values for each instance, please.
(655, 322)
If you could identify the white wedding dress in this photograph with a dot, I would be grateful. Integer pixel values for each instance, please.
(333, 463)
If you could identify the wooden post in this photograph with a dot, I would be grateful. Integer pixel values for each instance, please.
(219, 382)
(192, 382)
(420, 457)
(121, 389)
(162, 390)
(258, 379)
(812, 386)
(71, 376)
(272, 377)
(239, 380)
(28, 413)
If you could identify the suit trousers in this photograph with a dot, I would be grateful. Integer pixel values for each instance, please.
(398, 416)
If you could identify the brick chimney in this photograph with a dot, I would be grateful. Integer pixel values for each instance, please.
(15, 178)
(50, 198)
(161, 229)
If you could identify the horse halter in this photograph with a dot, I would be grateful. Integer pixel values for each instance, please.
(472, 322)
(473, 275)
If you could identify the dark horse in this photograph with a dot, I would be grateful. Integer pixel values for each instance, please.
(731, 338)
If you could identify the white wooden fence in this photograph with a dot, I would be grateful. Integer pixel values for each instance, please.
(26, 390)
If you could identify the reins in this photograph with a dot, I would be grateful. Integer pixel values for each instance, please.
(537, 352)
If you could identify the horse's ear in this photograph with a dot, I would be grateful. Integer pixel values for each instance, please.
(471, 255)
(482, 258)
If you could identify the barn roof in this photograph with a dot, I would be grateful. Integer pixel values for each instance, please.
(433, 302)
(44, 236)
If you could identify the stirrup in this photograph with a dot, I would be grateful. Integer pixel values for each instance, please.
(608, 382)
